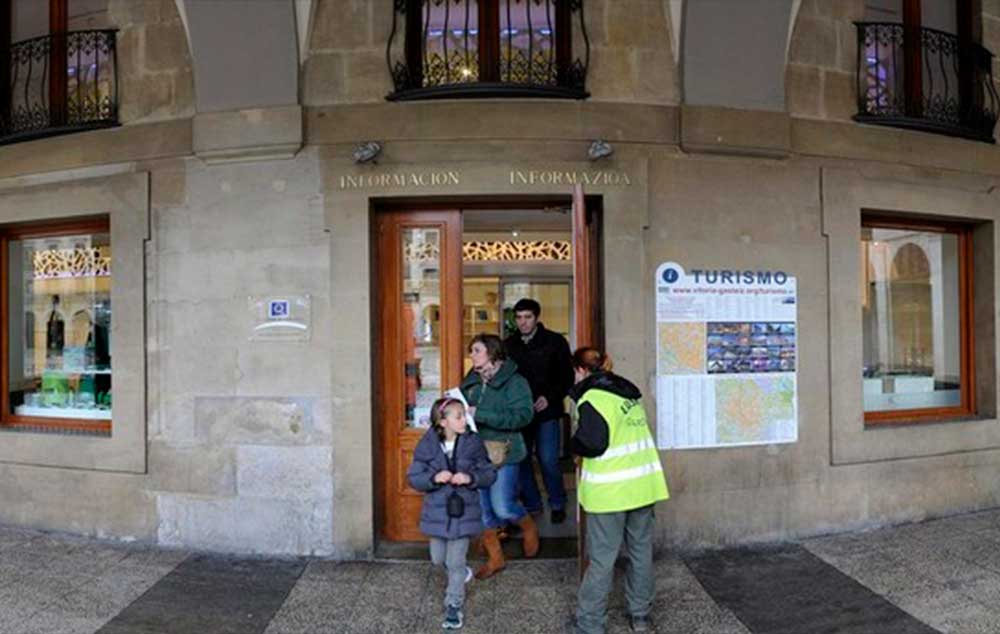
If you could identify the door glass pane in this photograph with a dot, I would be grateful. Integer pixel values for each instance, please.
(555, 298)
(421, 322)
(60, 327)
(911, 318)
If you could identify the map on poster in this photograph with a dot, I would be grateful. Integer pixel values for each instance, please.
(725, 357)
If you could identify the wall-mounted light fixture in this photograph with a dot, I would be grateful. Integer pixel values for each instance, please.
(599, 149)
(367, 152)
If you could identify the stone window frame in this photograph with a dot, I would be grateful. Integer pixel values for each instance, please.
(124, 200)
(845, 196)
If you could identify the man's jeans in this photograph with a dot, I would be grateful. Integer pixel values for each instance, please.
(499, 502)
(545, 444)
(605, 534)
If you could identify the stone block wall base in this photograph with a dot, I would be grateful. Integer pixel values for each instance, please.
(714, 130)
(239, 136)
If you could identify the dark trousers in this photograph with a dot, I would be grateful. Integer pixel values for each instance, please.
(543, 442)
(606, 532)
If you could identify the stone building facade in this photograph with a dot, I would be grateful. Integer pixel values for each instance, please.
(231, 177)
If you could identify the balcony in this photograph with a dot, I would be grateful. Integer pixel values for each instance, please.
(59, 84)
(925, 79)
(445, 49)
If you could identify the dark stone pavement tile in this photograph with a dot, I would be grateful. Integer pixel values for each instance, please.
(207, 593)
(266, 572)
(787, 590)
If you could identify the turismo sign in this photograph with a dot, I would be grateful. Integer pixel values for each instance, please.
(725, 357)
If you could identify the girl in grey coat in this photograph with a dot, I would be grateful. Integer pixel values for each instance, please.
(449, 465)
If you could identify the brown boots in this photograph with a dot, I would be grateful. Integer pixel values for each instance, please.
(494, 555)
(490, 542)
(529, 532)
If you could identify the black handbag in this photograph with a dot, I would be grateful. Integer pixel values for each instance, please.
(455, 505)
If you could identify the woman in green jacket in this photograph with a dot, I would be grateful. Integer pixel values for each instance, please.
(500, 401)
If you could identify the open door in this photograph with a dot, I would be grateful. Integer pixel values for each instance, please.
(587, 308)
(418, 260)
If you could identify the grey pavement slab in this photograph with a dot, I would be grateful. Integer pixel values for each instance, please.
(941, 575)
(788, 590)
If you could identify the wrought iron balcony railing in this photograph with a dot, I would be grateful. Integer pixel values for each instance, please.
(488, 48)
(925, 79)
(57, 84)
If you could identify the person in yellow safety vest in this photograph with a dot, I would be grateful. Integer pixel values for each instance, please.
(621, 478)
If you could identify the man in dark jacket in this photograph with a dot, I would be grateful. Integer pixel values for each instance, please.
(543, 358)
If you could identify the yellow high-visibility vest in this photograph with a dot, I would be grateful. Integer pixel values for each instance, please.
(628, 475)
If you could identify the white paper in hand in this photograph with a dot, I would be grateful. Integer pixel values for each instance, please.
(456, 394)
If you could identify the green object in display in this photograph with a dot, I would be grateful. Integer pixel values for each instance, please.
(55, 389)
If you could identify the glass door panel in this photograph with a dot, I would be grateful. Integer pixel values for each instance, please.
(421, 323)
(554, 296)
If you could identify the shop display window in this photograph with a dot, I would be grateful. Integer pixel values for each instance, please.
(57, 335)
(916, 300)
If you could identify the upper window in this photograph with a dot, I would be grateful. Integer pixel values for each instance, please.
(58, 68)
(488, 48)
(920, 66)
(916, 300)
(56, 368)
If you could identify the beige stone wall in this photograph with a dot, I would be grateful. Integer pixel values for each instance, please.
(631, 59)
(239, 428)
(154, 74)
(279, 435)
(991, 34)
(822, 60)
(820, 80)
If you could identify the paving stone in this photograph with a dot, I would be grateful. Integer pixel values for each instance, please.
(335, 571)
(787, 590)
(939, 574)
(313, 607)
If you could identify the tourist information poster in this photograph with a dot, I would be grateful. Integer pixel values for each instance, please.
(725, 357)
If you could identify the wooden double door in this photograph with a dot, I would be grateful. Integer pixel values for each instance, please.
(418, 333)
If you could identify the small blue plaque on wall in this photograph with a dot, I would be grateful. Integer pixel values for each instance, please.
(277, 309)
(284, 318)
